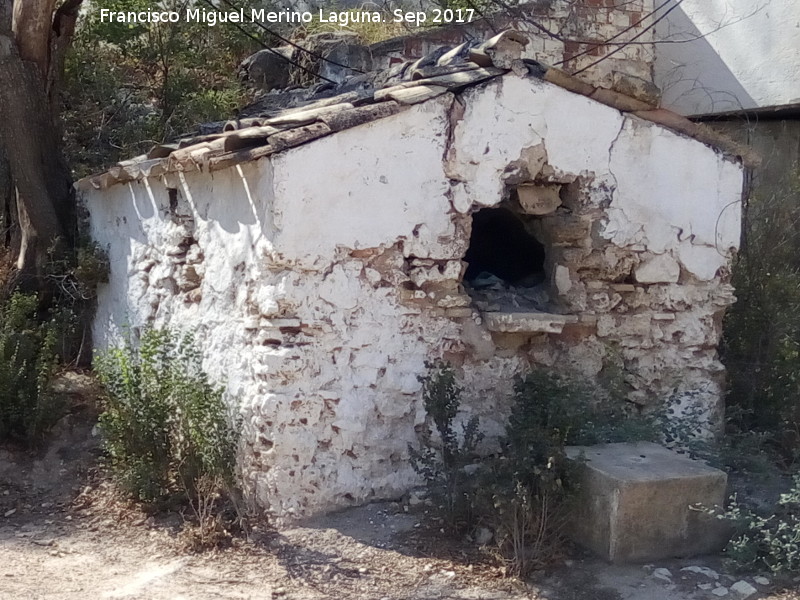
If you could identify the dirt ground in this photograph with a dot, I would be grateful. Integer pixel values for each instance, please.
(64, 536)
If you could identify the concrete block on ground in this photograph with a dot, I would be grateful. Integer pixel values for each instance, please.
(635, 503)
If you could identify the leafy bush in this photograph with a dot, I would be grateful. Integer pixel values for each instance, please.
(761, 341)
(583, 413)
(71, 282)
(128, 86)
(442, 465)
(523, 493)
(532, 483)
(167, 430)
(368, 32)
(27, 364)
(771, 541)
(528, 483)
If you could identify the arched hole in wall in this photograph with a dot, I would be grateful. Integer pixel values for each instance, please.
(506, 263)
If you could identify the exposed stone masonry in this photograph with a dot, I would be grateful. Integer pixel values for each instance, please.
(580, 28)
(319, 278)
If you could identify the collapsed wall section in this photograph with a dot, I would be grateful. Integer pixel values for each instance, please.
(639, 242)
(318, 282)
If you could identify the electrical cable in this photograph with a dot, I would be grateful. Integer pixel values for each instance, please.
(613, 37)
(291, 43)
(273, 51)
(637, 36)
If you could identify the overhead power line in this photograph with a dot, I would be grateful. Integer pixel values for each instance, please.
(290, 42)
(272, 50)
(617, 35)
(634, 38)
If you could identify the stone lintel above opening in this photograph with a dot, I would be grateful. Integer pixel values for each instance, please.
(527, 322)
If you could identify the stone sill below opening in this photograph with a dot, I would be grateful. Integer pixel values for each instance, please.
(526, 322)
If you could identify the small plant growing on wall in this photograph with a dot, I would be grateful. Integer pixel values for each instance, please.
(168, 434)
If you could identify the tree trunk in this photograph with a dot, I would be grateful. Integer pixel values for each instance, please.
(29, 137)
(9, 238)
(32, 22)
(6, 198)
(64, 23)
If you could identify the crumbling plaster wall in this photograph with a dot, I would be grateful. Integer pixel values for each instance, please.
(319, 281)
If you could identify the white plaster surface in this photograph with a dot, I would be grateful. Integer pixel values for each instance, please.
(318, 282)
(731, 55)
(521, 114)
(368, 197)
(682, 198)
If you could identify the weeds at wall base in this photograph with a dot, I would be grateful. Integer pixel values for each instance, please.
(764, 540)
(169, 437)
(28, 362)
(522, 495)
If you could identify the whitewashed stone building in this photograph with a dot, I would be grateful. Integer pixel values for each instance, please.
(318, 255)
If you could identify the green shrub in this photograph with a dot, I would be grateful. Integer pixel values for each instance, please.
(128, 86)
(368, 32)
(532, 484)
(771, 541)
(528, 484)
(71, 283)
(167, 430)
(761, 340)
(523, 493)
(27, 364)
(442, 465)
(580, 413)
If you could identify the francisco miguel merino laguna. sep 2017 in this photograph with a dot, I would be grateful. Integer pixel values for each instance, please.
(286, 15)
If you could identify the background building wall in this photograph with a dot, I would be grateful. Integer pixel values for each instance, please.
(744, 55)
(575, 25)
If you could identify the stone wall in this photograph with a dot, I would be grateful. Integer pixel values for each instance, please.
(319, 281)
(578, 27)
